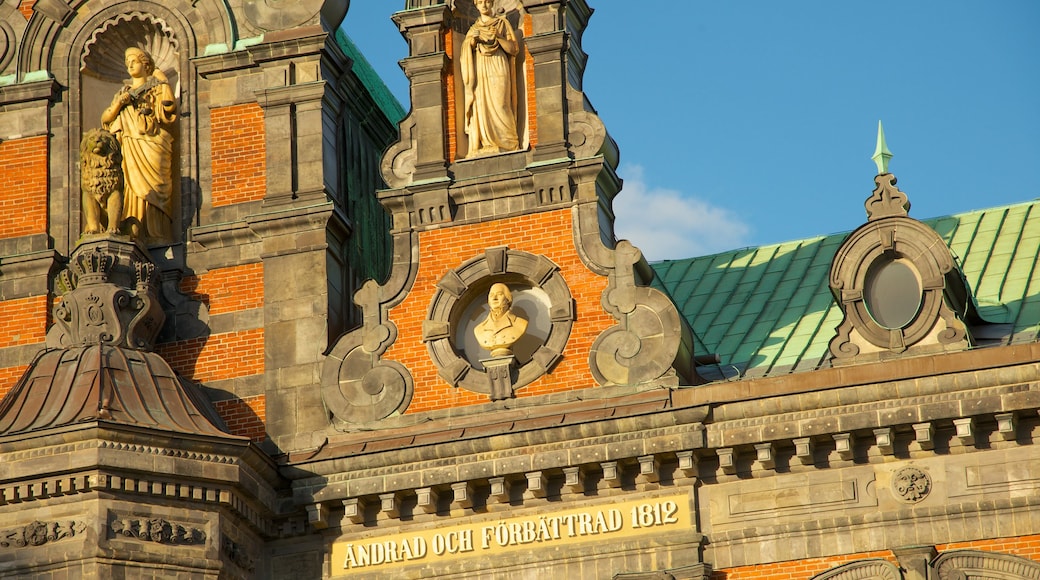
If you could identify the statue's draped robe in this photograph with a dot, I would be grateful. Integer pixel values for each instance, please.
(147, 147)
(488, 74)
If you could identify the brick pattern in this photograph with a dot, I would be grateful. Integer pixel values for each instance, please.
(23, 187)
(229, 289)
(26, 8)
(217, 357)
(532, 109)
(24, 321)
(547, 233)
(796, 570)
(1024, 546)
(9, 376)
(245, 417)
(451, 136)
(239, 154)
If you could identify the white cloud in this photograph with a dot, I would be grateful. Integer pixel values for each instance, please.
(667, 224)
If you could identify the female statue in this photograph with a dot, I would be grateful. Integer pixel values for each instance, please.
(140, 116)
(488, 73)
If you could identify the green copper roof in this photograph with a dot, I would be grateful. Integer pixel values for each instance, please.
(364, 71)
(769, 311)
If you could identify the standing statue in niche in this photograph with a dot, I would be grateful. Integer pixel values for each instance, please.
(140, 116)
(501, 329)
(488, 74)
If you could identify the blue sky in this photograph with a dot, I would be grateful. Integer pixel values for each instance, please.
(752, 122)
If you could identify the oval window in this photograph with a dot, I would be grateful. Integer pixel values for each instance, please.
(893, 293)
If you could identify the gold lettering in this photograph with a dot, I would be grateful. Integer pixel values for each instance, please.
(420, 547)
(466, 541)
(486, 536)
(362, 556)
(349, 561)
(601, 523)
(584, 523)
(616, 521)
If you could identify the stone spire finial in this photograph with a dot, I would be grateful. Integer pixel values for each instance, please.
(881, 152)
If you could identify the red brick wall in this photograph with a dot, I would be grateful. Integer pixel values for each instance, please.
(26, 8)
(230, 289)
(452, 134)
(10, 376)
(24, 321)
(796, 570)
(217, 357)
(532, 109)
(1024, 546)
(239, 154)
(548, 234)
(246, 416)
(23, 187)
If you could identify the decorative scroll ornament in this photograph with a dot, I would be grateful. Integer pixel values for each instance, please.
(39, 533)
(158, 530)
(642, 347)
(911, 485)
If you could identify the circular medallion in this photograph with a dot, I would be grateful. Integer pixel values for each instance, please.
(911, 485)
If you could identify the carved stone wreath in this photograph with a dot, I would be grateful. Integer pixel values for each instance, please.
(911, 485)
(458, 288)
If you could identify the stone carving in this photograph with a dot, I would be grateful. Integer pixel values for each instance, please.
(108, 296)
(642, 347)
(892, 240)
(141, 115)
(39, 533)
(978, 565)
(158, 530)
(101, 182)
(237, 554)
(501, 329)
(488, 76)
(911, 485)
(873, 568)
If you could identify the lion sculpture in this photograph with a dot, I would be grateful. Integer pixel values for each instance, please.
(101, 182)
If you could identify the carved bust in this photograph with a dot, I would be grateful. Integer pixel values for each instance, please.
(501, 329)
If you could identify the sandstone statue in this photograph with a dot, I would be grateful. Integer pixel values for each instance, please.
(501, 329)
(489, 77)
(141, 116)
(101, 182)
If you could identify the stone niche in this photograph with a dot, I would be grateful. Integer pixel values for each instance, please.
(103, 73)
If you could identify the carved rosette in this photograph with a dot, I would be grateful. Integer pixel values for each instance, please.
(158, 530)
(911, 485)
(38, 533)
(889, 250)
(460, 287)
(109, 298)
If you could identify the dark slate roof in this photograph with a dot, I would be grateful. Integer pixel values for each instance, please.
(769, 311)
(109, 384)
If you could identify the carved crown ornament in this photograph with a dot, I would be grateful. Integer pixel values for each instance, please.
(897, 283)
(108, 297)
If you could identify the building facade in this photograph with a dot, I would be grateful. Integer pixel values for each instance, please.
(258, 322)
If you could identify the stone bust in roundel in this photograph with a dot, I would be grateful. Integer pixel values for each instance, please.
(501, 329)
